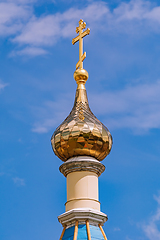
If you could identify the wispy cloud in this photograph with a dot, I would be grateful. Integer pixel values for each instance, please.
(137, 10)
(12, 17)
(19, 181)
(30, 51)
(136, 107)
(19, 1)
(46, 30)
(2, 85)
(136, 16)
(29, 31)
(151, 228)
(127, 238)
(50, 114)
(116, 229)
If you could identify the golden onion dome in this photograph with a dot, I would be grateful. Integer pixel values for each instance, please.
(81, 133)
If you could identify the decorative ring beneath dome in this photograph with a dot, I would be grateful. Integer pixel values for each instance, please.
(82, 163)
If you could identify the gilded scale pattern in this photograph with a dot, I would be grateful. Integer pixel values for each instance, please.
(81, 133)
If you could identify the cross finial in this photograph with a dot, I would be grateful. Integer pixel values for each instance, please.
(82, 56)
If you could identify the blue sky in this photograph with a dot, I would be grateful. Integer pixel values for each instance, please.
(37, 89)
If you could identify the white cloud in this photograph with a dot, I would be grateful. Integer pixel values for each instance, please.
(18, 1)
(137, 10)
(19, 181)
(12, 17)
(30, 51)
(136, 107)
(40, 31)
(50, 114)
(46, 30)
(152, 228)
(136, 16)
(18, 20)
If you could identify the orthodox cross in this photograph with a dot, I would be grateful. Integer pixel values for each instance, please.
(82, 56)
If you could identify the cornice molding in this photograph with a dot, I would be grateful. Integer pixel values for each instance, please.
(94, 217)
(82, 163)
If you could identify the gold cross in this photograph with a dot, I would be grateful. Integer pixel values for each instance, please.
(82, 56)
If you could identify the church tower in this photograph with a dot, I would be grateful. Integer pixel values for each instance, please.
(82, 142)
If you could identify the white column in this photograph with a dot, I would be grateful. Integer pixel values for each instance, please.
(82, 190)
(82, 204)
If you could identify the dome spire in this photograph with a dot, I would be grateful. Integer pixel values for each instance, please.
(80, 73)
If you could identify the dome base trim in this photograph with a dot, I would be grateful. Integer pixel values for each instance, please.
(82, 163)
